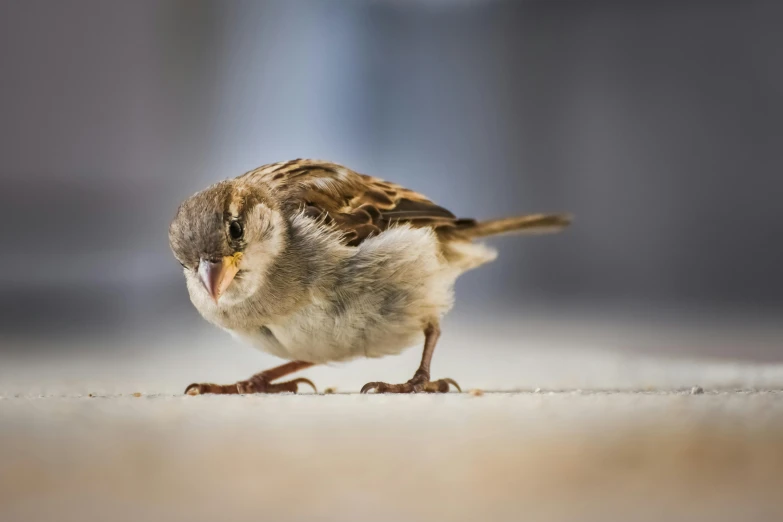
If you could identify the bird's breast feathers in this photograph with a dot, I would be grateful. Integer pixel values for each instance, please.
(372, 303)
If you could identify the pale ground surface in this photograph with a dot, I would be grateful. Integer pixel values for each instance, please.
(643, 449)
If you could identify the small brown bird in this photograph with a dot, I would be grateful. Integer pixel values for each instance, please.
(315, 263)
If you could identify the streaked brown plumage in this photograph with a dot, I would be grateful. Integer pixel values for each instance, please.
(315, 263)
(361, 205)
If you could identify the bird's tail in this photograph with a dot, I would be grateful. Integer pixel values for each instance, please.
(530, 224)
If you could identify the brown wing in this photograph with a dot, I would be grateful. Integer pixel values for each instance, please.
(360, 206)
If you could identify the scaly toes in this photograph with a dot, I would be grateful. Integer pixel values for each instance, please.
(382, 387)
(256, 384)
(249, 386)
(264, 386)
(415, 385)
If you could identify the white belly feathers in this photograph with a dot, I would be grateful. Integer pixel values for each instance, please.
(387, 290)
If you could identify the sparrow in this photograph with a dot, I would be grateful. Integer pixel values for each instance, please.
(315, 263)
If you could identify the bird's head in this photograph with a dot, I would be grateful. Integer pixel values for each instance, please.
(226, 238)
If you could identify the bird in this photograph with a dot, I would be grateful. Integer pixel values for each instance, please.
(315, 263)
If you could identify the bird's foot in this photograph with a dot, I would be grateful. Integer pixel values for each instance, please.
(256, 384)
(420, 383)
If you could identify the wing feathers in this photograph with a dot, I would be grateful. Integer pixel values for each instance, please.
(361, 206)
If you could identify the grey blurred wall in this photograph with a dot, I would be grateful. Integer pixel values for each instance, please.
(659, 124)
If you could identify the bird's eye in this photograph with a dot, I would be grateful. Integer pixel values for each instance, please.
(235, 230)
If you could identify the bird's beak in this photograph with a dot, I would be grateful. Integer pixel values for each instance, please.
(217, 275)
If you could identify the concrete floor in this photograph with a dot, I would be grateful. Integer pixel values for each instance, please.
(102, 432)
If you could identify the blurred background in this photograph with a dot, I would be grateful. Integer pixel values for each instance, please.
(657, 123)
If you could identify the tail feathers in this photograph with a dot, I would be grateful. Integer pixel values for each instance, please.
(530, 224)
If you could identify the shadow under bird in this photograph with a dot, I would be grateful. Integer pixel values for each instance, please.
(315, 263)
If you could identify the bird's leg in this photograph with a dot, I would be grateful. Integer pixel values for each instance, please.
(421, 379)
(258, 383)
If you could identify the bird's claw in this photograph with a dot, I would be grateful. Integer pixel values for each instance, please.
(206, 388)
(413, 386)
(252, 385)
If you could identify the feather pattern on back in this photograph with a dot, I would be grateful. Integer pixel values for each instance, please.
(358, 205)
(361, 206)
